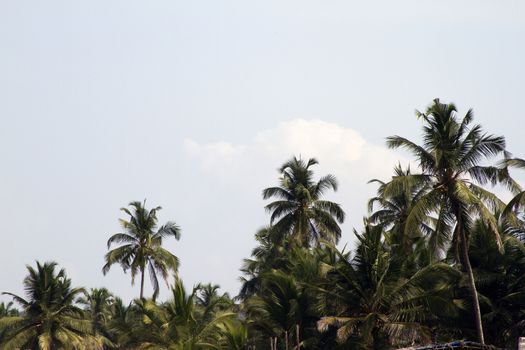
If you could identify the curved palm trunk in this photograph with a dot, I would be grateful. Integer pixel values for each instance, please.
(472, 287)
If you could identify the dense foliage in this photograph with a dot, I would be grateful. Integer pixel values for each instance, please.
(440, 257)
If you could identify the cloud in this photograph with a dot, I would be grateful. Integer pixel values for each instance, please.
(214, 156)
(340, 151)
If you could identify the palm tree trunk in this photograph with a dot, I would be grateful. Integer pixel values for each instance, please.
(142, 284)
(286, 339)
(472, 286)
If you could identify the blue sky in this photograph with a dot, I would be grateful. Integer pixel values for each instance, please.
(194, 104)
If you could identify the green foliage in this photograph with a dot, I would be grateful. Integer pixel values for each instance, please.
(7, 309)
(375, 302)
(141, 247)
(501, 284)
(50, 319)
(186, 321)
(427, 266)
(452, 162)
(299, 213)
(98, 305)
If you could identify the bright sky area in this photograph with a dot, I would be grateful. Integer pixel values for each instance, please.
(195, 104)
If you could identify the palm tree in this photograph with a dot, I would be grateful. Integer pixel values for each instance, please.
(300, 212)
(375, 304)
(8, 310)
(123, 323)
(98, 306)
(180, 323)
(392, 211)
(517, 203)
(142, 246)
(234, 335)
(281, 308)
(501, 281)
(269, 254)
(50, 319)
(452, 160)
(209, 302)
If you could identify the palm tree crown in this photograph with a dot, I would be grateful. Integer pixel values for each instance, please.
(141, 247)
(300, 213)
(50, 318)
(392, 211)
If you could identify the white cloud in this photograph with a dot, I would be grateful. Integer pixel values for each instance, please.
(340, 151)
(216, 156)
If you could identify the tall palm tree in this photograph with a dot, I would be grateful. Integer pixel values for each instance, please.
(452, 161)
(50, 318)
(300, 212)
(142, 246)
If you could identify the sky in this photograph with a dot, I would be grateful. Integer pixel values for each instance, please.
(193, 105)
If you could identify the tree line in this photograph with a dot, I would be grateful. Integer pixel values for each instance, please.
(440, 257)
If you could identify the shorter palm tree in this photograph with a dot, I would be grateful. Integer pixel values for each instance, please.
(7, 309)
(501, 281)
(98, 308)
(392, 208)
(50, 319)
(180, 323)
(281, 308)
(234, 335)
(141, 247)
(269, 254)
(375, 304)
(123, 324)
(518, 202)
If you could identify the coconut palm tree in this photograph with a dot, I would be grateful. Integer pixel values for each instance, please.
(234, 335)
(391, 213)
(300, 212)
(7, 309)
(374, 304)
(180, 323)
(98, 308)
(452, 160)
(269, 254)
(282, 308)
(141, 247)
(50, 319)
(517, 203)
(501, 281)
(123, 323)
